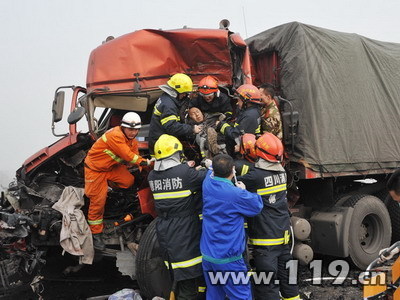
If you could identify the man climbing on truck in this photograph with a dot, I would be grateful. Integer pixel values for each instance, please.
(108, 161)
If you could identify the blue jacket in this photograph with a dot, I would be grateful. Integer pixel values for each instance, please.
(224, 210)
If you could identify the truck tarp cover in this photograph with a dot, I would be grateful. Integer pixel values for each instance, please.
(152, 56)
(346, 89)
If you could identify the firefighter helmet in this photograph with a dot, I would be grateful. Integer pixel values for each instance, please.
(208, 85)
(181, 83)
(131, 120)
(269, 147)
(166, 145)
(249, 93)
(247, 147)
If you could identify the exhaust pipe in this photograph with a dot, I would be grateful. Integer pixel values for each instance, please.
(224, 24)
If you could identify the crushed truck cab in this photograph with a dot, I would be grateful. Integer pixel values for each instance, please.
(339, 98)
(123, 75)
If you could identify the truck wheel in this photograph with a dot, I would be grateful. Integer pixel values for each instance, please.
(370, 229)
(394, 212)
(152, 275)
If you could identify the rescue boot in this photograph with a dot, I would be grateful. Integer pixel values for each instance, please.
(98, 242)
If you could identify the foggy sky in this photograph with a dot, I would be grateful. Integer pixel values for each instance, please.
(46, 44)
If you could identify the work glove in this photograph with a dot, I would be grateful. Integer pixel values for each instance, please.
(147, 162)
(240, 185)
(206, 163)
(384, 255)
(151, 161)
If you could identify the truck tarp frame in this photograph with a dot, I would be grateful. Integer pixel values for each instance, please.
(346, 89)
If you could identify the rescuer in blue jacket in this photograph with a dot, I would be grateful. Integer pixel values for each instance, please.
(223, 238)
(166, 117)
(269, 231)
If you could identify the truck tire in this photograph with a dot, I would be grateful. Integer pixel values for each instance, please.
(394, 212)
(370, 229)
(152, 275)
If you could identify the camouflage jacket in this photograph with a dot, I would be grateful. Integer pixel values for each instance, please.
(271, 120)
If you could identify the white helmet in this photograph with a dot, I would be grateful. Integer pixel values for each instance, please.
(131, 120)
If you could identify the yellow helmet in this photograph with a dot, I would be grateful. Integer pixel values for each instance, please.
(166, 145)
(181, 83)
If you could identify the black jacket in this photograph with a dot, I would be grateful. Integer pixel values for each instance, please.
(177, 197)
(221, 104)
(272, 226)
(166, 119)
(243, 166)
(247, 121)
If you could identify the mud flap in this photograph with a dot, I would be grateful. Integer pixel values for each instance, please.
(147, 202)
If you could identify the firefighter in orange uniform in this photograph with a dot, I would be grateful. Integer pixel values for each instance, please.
(108, 161)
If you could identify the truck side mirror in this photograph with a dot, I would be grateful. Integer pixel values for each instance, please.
(58, 106)
(76, 115)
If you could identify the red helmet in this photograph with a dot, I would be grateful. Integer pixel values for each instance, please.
(249, 93)
(269, 147)
(248, 147)
(208, 85)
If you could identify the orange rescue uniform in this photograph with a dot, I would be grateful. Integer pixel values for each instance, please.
(108, 160)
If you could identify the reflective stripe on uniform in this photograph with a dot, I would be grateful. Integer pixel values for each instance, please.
(184, 264)
(246, 225)
(113, 156)
(157, 112)
(272, 190)
(201, 289)
(258, 129)
(104, 138)
(134, 160)
(224, 127)
(201, 216)
(266, 242)
(245, 169)
(286, 237)
(95, 222)
(271, 242)
(169, 118)
(171, 195)
(292, 298)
